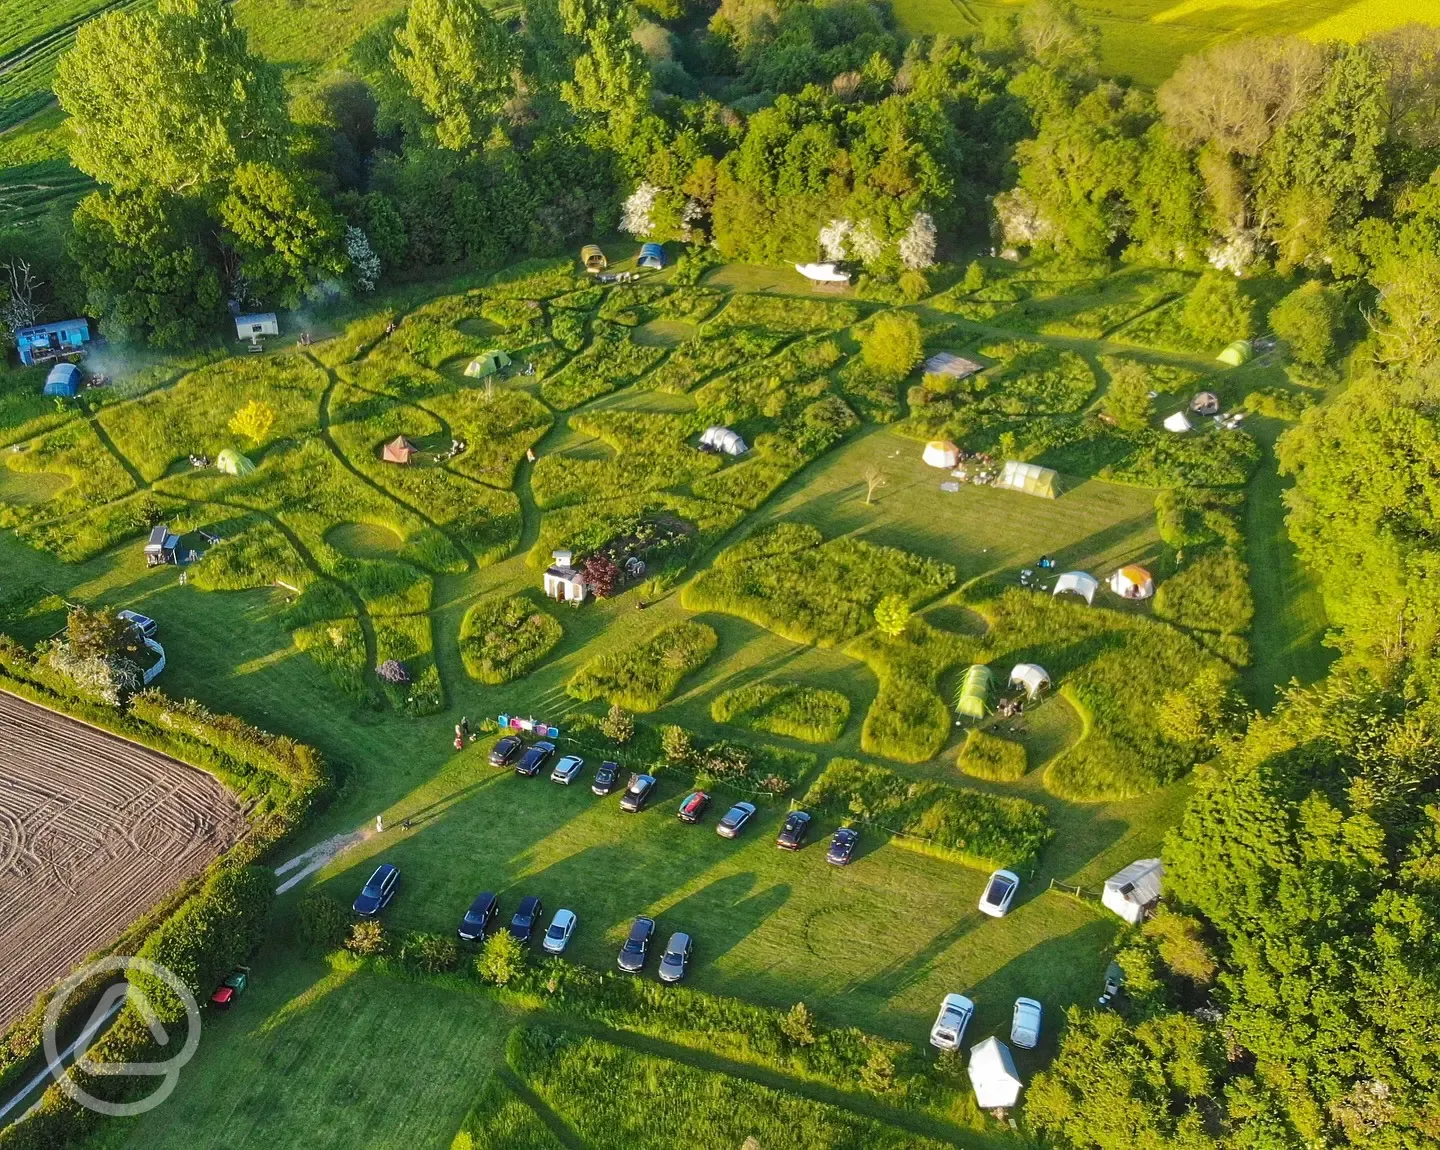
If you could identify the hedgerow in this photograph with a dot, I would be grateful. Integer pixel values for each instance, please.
(909, 721)
(784, 708)
(1210, 593)
(988, 756)
(773, 388)
(970, 827)
(785, 579)
(502, 639)
(1214, 457)
(642, 676)
(612, 360)
(785, 314)
(1033, 378)
(586, 527)
(429, 334)
(1192, 516)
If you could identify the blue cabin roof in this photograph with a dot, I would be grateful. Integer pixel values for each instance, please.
(42, 331)
(64, 379)
(47, 340)
(652, 256)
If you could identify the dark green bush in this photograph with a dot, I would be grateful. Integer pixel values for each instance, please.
(644, 675)
(502, 639)
(324, 923)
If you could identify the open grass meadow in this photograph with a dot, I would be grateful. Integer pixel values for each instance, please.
(366, 607)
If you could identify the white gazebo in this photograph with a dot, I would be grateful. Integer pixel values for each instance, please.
(1080, 583)
(993, 1075)
(1133, 892)
(564, 582)
(1033, 677)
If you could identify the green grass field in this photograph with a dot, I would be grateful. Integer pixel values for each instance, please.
(382, 552)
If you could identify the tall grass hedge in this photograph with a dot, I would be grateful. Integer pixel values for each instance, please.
(909, 721)
(784, 708)
(988, 756)
(503, 638)
(642, 676)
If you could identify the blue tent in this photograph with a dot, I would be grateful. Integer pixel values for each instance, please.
(651, 256)
(64, 379)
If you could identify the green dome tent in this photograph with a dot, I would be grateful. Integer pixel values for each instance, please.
(973, 698)
(1237, 353)
(232, 462)
(487, 363)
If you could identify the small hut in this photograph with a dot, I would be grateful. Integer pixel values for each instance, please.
(1080, 583)
(593, 259)
(1030, 478)
(563, 581)
(1239, 352)
(724, 441)
(973, 698)
(1033, 677)
(399, 450)
(993, 1075)
(1132, 582)
(487, 363)
(651, 256)
(1133, 892)
(232, 462)
(1205, 403)
(253, 327)
(1177, 423)
(64, 380)
(46, 341)
(162, 547)
(941, 453)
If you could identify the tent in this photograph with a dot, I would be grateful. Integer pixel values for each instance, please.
(487, 363)
(231, 462)
(1080, 582)
(993, 1075)
(973, 697)
(1237, 353)
(1177, 422)
(1033, 677)
(941, 453)
(823, 273)
(1134, 891)
(651, 256)
(64, 380)
(1132, 582)
(593, 258)
(1205, 403)
(948, 363)
(724, 440)
(1030, 478)
(398, 450)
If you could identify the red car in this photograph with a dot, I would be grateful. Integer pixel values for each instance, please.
(693, 807)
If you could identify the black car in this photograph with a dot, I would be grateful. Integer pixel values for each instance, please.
(503, 753)
(526, 917)
(637, 946)
(478, 918)
(605, 778)
(736, 819)
(638, 793)
(793, 833)
(842, 846)
(533, 759)
(378, 891)
(693, 807)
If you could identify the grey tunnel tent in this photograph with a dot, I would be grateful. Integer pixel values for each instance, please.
(724, 440)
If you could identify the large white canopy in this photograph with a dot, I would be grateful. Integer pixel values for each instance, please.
(823, 273)
(1080, 582)
(993, 1075)
(1033, 677)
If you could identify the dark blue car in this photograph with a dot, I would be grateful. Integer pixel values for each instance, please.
(378, 891)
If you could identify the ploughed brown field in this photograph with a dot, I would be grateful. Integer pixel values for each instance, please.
(93, 832)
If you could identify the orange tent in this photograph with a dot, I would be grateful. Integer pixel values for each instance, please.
(398, 450)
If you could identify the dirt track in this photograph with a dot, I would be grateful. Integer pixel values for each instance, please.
(93, 832)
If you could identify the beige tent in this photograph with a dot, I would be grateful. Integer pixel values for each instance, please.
(1132, 582)
(1205, 403)
(593, 258)
(1030, 478)
(399, 450)
(941, 453)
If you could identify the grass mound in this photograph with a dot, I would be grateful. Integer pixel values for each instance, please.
(970, 827)
(909, 721)
(987, 756)
(502, 639)
(788, 580)
(642, 677)
(784, 708)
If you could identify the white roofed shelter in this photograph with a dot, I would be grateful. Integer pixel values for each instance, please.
(1133, 892)
(823, 273)
(955, 366)
(1177, 423)
(941, 453)
(993, 1075)
(724, 440)
(1033, 677)
(564, 582)
(1079, 583)
(1030, 478)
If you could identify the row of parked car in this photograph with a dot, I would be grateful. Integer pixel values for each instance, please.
(380, 890)
(529, 761)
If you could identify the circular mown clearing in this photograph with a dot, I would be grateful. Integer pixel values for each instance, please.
(663, 332)
(364, 540)
(21, 489)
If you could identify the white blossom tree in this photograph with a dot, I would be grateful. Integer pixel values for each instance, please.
(364, 263)
(866, 245)
(635, 216)
(19, 309)
(917, 245)
(834, 238)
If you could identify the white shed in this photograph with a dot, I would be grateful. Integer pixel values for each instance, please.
(724, 440)
(254, 326)
(564, 582)
(1177, 422)
(1080, 583)
(993, 1075)
(1134, 891)
(1033, 677)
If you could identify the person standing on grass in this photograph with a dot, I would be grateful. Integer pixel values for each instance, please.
(464, 729)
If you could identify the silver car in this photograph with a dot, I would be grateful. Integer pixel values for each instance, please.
(675, 958)
(567, 770)
(1025, 1025)
(949, 1029)
(562, 926)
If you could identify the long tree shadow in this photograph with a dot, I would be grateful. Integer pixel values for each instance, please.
(722, 914)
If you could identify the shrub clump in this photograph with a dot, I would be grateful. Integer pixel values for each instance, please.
(988, 756)
(969, 827)
(324, 923)
(1211, 593)
(909, 721)
(502, 959)
(644, 675)
(502, 639)
(784, 708)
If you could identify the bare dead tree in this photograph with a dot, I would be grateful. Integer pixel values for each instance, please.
(874, 480)
(20, 309)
